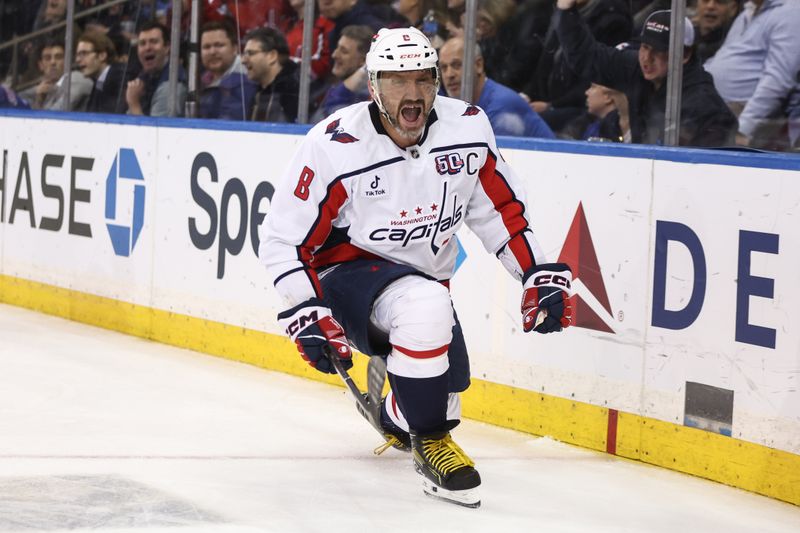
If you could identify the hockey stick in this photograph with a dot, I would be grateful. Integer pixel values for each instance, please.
(376, 377)
(369, 405)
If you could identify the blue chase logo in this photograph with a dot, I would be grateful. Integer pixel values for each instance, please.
(124, 237)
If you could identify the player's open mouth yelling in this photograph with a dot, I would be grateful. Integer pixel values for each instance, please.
(411, 115)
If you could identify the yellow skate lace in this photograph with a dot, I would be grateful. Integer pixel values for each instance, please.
(445, 455)
(391, 440)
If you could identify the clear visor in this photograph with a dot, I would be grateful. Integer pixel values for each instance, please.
(413, 85)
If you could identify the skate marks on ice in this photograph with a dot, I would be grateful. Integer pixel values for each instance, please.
(49, 503)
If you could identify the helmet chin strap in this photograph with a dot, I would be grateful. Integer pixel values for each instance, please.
(373, 81)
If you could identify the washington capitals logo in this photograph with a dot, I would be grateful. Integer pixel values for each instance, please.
(338, 134)
(471, 111)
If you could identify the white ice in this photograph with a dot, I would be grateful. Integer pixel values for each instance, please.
(106, 432)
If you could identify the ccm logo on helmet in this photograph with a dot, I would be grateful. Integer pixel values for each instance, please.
(301, 323)
(551, 279)
(410, 56)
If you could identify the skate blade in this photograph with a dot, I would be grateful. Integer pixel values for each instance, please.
(465, 498)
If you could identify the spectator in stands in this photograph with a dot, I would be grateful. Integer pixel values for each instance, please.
(50, 12)
(320, 46)
(161, 12)
(705, 119)
(17, 18)
(225, 92)
(157, 9)
(122, 45)
(712, 21)
(510, 36)
(455, 24)
(94, 58)
(105, 20)
(428, 16)
(8, 98)
(345, 13)
(757, 67)
(414, 11)
(601, 120)
(624, 119)
(266, 57)
(794, 116)
(49, 92)
(491, 32)
(508, 113)
(348, 68)
(556, 90)
(386, 10)
(251, 14)
(119, 23)
(149, 93)
(601, 105)
(521, 42)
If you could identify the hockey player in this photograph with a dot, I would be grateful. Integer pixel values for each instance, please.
(360, 244)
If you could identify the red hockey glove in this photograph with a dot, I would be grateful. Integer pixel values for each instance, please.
(317, 335)
(545, 298)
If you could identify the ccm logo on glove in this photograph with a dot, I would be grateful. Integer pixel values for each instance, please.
(302, 322)
(552, 279)
(546, 307)
(317, 335)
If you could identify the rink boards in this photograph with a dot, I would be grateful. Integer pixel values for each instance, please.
(685, 353)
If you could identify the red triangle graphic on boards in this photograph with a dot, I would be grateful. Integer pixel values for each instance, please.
(578, 252)
(584, 316)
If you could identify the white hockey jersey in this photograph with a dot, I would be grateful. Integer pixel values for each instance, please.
(350, 192)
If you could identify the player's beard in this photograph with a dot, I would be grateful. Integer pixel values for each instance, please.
(394, 119)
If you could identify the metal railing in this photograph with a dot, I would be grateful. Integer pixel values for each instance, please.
(672, 119)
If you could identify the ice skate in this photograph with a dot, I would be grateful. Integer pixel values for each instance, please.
(395, 436)
(448, 473)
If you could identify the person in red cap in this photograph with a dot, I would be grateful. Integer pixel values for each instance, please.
(705, 119)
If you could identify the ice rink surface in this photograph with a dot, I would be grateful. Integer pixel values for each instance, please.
(105, 432)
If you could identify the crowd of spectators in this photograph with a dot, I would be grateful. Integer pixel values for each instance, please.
(572, 69)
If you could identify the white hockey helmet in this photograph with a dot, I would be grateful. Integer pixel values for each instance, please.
(400, 50)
